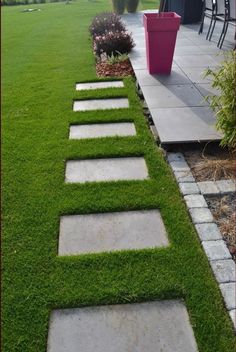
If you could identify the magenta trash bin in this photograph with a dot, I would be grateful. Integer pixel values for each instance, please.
(160, 34)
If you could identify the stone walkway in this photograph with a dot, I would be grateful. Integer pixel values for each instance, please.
(151, 326)
(177, 102)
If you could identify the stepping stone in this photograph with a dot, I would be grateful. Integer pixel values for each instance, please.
(99, 85)
(111, 231)
(102, 130)
(112, 169)
(161, 326)
(100, 104)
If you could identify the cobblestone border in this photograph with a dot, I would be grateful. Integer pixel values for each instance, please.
(209, 234)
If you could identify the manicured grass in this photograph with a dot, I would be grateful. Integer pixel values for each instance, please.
(44, 54)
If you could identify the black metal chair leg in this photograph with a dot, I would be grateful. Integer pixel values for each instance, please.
(213, 27)
(209, 28)
(202, 24)
(221, 35)
(226, 29)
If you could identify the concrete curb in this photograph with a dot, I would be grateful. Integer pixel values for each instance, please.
(219, 257)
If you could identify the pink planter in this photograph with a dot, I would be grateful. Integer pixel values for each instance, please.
(160, 32)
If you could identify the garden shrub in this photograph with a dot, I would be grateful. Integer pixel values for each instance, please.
(224, 80)
(113, 43)
(119, 6)
(106, 22)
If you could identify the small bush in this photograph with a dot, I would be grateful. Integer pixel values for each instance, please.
(224, 80)
(113, 43)
(106, 22)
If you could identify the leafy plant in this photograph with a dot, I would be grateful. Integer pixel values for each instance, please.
(132, 5)
(112, 43)
(224, 80)
(119, 6)
(106, 22)
(114, 59)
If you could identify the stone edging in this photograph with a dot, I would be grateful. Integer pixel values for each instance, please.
(209, 234)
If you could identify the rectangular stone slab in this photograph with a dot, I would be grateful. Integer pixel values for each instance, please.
(102, 130)
(188, 124)
(161, 326)
(111, 231)
(112, 169)
(100, 104)
(99, 85)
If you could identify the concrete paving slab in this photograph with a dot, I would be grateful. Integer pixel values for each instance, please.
(184, 176)
(208, 232)
(189, 124)
(188, 188)
(197, 74)
(172, 96)
(99, 85)
(232, 314)
(229, 293)
(100, 104)
(176, 77)
(92, 233)
(188, 50)
(195, 201)
(112, 169)
(224, 270)
(216, 250)
(102, 130)
(201, 215)
(206, 89)
(195, 60)
(208, 187)
(226, 186)
(193, 54)
(161, 326)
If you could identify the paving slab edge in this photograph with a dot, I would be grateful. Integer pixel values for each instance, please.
(214, 246)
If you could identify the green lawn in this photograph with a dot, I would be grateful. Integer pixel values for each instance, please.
(44, 54)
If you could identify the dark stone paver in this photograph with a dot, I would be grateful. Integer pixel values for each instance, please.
(193, 55)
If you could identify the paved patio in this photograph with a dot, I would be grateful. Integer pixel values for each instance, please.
(177, 102)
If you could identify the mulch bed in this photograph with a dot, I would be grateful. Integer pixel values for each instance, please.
(211, 165)
(119, 69)
(224, 211)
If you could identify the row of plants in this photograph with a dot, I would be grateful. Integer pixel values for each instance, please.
(119, 6)
(224, 104)
(110, 36)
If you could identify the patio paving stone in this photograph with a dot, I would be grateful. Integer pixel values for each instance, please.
(177, 77)
(153, 327)
(111, 231)
(172, 96)
(194, 60)
(111, 169)
(99, 85)
(100, 104)
(102, 130)
(188, 124)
